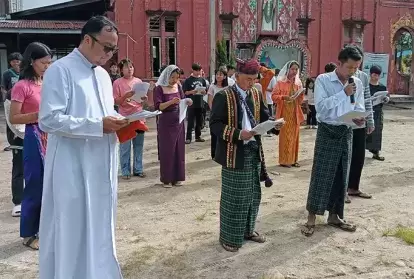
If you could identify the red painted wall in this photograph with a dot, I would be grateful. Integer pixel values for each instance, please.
(325, 35)
(326, 31)
(192, 32)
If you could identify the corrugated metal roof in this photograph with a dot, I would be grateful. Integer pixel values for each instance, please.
(41, 24)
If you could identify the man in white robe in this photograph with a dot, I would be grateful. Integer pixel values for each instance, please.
(80, 179)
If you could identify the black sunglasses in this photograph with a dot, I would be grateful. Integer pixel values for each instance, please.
(106, 49)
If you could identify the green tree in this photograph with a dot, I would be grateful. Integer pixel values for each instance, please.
(222, 57)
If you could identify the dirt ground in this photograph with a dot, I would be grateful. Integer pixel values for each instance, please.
(173, 233)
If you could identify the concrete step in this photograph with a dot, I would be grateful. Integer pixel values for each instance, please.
(401, 99)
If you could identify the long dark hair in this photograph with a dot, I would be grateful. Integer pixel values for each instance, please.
(222, 70)
(308, 82)
(33, 52)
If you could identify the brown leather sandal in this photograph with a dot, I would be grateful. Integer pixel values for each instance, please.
(229, 248)
(256, 237)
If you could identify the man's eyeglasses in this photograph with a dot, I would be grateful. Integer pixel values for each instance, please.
(106, 49)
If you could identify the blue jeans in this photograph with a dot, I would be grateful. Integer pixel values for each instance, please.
(125, 149)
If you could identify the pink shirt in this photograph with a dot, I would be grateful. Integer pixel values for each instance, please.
(27, 93)
(122, 86)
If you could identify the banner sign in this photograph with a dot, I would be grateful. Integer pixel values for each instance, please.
(378, 59)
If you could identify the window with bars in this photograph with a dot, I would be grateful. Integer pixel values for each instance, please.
(163, 44)
(245, 53)
(358, 35)
(354, 34)
(170, 24)
(155, 23)
(61, 52)
(303, 29)
(170, 50)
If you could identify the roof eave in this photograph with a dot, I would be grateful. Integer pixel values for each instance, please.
(39, 31)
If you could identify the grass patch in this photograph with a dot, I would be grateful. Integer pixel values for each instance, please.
(404, 233)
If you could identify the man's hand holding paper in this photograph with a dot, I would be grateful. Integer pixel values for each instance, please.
(359, 121)
(111, 124)
(268, 125)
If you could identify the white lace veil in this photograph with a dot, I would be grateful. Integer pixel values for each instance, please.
(165, 75)
(282, 77)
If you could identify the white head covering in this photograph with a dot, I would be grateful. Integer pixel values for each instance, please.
(164, 78)
(282, 77)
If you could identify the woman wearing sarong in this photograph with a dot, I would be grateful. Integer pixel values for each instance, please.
(288, 83)
(171, 132)
(374, 140)
(122, 89)
(25, 102)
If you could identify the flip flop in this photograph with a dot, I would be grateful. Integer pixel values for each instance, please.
(256, 237)
(343, 226)
(229, 248)
(379, 158)
(296, 165)
(29, 243)
(360, 195)
(308, 230)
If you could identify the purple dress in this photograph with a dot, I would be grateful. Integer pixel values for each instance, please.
(171, 138)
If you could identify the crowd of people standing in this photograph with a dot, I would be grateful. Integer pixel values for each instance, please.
(72, 109)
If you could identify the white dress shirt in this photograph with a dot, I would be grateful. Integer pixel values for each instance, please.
(331, 101)
(310, 97)
(271, 85)
(246, 125)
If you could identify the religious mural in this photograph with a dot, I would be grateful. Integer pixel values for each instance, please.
(268, 15)
(404, 53)
(402, 34)
(275, 54)
(280, 16)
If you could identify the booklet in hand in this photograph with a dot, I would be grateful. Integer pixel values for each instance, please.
(298, 93)
(266, 126)
(140, 90)
(142, 115)
(378, 97)
(353, 114)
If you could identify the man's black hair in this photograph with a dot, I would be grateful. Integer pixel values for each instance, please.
(349, 52)
(361, 52)
(263, 65)
(96, 24)
(330, 67)
(196, 67)
(230, 67)
(14, 56)
(375, 69)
